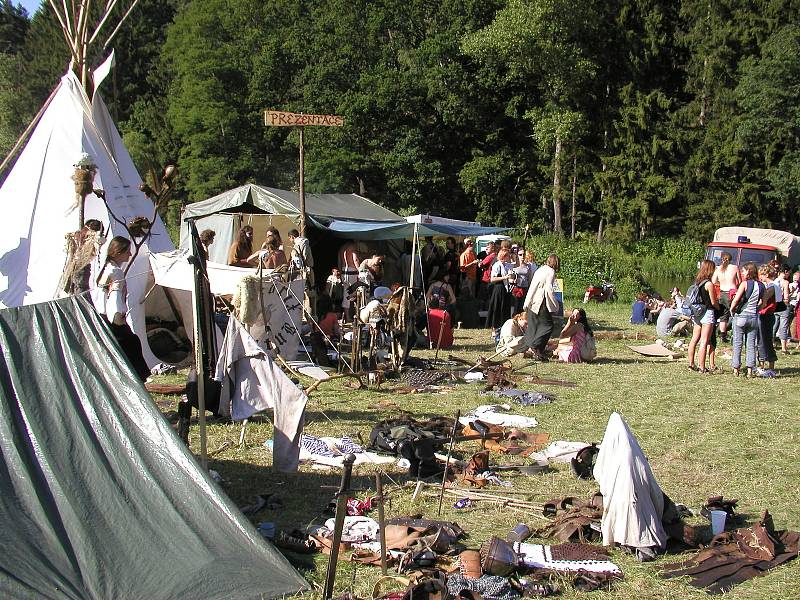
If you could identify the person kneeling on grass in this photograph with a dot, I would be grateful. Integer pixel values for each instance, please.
(576, 343)
(511, 340)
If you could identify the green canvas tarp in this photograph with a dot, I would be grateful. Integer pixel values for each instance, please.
(98, 496)
(255, 198)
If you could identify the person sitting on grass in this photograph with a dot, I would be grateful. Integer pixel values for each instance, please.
(576, 343)
(512, 335)
(639, 309)
(672, 321)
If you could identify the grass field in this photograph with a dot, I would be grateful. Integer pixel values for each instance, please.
(703, 435)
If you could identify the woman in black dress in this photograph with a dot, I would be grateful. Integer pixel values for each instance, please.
(501, 302)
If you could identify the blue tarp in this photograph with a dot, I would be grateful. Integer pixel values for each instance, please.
(370, 230)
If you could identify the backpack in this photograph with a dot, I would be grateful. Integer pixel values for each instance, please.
(694, 300)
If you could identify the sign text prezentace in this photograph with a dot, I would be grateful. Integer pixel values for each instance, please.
(288, 119)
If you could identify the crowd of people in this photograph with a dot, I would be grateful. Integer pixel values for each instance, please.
(502, 283)
(753, 307)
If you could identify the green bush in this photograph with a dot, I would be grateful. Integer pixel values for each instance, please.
(631, 267)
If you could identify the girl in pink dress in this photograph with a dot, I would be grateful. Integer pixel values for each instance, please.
(573, 339)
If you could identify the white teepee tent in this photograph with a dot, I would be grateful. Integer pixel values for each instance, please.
(40, 203)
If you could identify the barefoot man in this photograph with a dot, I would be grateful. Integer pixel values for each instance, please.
(726, 277)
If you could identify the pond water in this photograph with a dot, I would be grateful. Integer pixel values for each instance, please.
(664, 285)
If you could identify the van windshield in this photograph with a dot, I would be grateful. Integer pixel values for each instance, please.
(760, 257)
(714, 253)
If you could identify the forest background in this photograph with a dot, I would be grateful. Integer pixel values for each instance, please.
(617, 120)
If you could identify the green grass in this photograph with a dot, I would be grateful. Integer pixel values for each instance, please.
(703, 435)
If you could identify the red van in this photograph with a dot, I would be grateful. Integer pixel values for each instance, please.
(746, 244)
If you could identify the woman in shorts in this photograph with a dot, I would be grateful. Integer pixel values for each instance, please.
(703, 327)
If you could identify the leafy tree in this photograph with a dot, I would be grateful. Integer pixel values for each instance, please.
(543, 42)
(14, 26)
(769, 127)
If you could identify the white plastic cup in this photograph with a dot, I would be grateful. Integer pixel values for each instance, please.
(718, 521)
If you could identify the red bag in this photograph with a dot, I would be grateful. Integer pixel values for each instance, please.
(517, 292)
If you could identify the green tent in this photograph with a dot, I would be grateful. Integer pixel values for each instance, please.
(252, 198)
(98, 496)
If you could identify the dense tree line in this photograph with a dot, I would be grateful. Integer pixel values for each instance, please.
(616, 118)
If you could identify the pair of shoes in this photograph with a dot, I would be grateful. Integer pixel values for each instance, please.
(692, 368)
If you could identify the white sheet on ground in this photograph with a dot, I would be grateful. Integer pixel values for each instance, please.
(633, 503)
(488, 413)
(559, 451)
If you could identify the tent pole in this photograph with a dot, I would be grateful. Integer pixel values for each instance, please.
(413, 255)
(198, 357)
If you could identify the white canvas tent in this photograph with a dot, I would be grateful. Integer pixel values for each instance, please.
(40, 204)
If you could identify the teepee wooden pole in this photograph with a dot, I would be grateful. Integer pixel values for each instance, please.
(109, 7)
(64, 28)
(121, 21)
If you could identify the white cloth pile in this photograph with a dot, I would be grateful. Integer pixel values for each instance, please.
(489, 413)
(633, 503)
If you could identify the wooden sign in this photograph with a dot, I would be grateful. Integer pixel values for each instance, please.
(278, 118)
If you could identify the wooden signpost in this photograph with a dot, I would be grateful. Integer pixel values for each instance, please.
(277, 118)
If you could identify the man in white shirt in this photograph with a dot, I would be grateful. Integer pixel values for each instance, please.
(540, 305)
(302, 261)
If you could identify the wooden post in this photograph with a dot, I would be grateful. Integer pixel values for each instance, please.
(276, 118)
(302, 187)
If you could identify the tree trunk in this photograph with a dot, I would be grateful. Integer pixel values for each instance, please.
(362, 189)
(574, 184)
(557, 187)
(600, 231)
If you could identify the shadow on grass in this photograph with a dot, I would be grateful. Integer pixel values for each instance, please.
(633, 360)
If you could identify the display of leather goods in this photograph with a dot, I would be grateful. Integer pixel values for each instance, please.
(583, 463)
(452, 529)
(719, 503)
(498, 557)
(469, 564)
(573, 519)
(737, 556)
(586, 581)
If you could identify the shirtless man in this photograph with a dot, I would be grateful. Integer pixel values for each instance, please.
(726, 277)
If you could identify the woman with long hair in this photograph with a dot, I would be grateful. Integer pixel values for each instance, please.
(782, 309)
(766, 318)
(242, 248)
(703, 327)
(114, 303)
(501, 301)
(574, 340)
(526, 267)
(744, 314)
